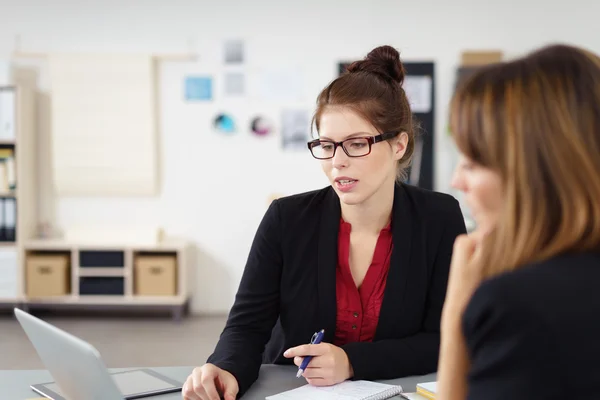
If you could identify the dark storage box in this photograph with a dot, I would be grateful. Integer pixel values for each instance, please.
(101, 258)
(101, 286)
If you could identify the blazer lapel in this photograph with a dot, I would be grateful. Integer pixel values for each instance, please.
(327, 262)
(402, 220)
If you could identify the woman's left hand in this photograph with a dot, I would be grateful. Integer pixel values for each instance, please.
(329, 365)
(465, 276)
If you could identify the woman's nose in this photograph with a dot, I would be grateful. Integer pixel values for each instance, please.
(340, 158)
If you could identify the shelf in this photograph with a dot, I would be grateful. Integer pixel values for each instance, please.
(118, 281)
(102, 272)
(110, 300)
(8, 194)
(10, 299)
(4, 142)
(8, 244)
(57, 243)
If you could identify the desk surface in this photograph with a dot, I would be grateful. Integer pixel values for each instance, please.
(14, 384)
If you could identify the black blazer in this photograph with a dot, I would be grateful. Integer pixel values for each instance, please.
(287, 291)
(535, 333)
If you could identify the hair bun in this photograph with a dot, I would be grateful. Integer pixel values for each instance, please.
(383, 61)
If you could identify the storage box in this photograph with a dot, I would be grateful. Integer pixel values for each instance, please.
(100, 286)
(48, 275)
(155, 275)
(101, 259)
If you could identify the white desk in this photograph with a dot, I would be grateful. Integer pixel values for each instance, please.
(14, 384)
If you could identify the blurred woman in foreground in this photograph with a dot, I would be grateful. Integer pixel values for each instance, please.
(522, 313)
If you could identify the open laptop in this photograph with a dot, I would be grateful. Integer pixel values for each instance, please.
(79, 372)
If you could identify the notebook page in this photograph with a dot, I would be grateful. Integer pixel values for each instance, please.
(347, 390)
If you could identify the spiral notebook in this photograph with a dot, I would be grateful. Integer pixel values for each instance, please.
(347, 390)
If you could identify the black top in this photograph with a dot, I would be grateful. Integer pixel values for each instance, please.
(288, 288)
(534, 333)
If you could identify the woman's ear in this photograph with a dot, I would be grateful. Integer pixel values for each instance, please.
(400, 145)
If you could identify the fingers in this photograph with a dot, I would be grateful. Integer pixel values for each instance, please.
(464, 243)
(230, 396)
(201, 385)
(316, 362)
(228, 386)
(187, 390)
(463, 250)
(207, 383)
(315, 373)
(306, 350)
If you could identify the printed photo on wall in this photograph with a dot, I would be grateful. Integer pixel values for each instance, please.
(234, 84)
(261, 126)
(224, 123)
(198, 88)
(418, 89)
(295, 129)
(234, 52)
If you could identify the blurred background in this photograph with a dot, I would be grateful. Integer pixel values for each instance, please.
(142, 141)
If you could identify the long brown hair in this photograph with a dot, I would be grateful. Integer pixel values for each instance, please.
(536, 122)
(372, 87)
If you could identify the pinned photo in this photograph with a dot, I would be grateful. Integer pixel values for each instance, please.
(198, 88)
(234, 52)
(295, 129)
(261, 126)
(234, 84)
(224, 123)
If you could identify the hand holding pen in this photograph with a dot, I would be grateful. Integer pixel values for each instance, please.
(316, 339)
(329, 364)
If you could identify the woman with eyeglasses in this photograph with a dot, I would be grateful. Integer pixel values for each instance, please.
(522, 314)
(366, 259)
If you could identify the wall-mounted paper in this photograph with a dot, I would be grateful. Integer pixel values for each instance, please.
(198, 88)
(418, 91)
(104, 124)
(234, 83)
(295, 129)
(234, 52)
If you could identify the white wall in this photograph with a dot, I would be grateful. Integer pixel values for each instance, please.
(215, 189)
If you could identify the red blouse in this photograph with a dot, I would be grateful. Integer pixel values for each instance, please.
(358, 308)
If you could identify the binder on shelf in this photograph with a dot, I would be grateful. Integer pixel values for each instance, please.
(7, 114)
(8, 178)
(10, 219)
(3, 177)
(2, 221)
(11, 178)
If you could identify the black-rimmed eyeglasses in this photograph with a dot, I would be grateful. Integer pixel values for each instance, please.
(323, 149)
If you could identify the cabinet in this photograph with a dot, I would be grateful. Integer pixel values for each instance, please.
(18, 182)
(119, 276)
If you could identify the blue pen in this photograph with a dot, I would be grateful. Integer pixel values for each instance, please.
(316, 339)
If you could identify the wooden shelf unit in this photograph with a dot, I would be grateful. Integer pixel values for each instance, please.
(13, 255)
(177, 303)
(25, 153)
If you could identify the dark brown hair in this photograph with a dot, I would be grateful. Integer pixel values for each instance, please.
(536, 122)
(372, 87)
